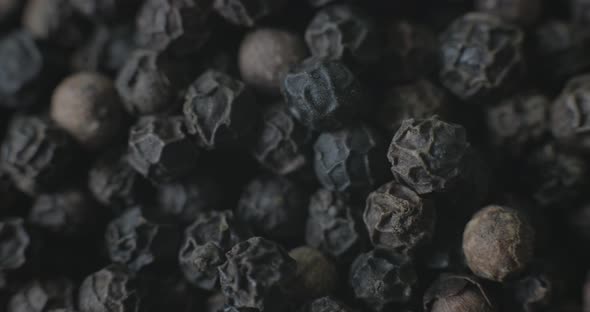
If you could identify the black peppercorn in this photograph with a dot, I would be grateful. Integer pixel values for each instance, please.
(247, 12)
(379, 279)
(111, 289)
(498, 243)
(346, 33)
(160, 148)
(219, 110)
(36, 154)
(397, 219)
(87, 106)
(452, 292)
(275, 207)
(42, 296)
(14, 241)
(481, 55)
(265, 56)
(254, 275)
(206, 241)
(316, 275)
(569, 114)
(323, 95)
(144, 87)
(351, 159)
(327, 304)
(520, 11)
(534, 292)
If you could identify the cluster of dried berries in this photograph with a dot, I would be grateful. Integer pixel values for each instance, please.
(294, 155)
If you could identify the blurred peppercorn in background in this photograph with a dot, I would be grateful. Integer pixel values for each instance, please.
(294, 155)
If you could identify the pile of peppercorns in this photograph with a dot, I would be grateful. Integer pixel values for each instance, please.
(294, 155)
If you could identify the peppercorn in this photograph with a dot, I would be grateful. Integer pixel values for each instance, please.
(87, 106)
(379, 279)
(316, 275)
(498, 243)
(43, 295)
(533, 292)
(568, 114)
(247, 12)
(110, 289)
(397, 219)
(275, 207)
(351, 159)
(254, 275)
(219, 110)
(453, 292)
(160, 148)
(323, 95)
(481, 56)
(143, 86)
(205, 243)
(14, 241)
(429, 155)
(520, 11)
(344, 33)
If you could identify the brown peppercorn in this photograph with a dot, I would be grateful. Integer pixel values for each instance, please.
(87, 106)
(498, 243)
(316, 275)
(452, 293)
(266, 55)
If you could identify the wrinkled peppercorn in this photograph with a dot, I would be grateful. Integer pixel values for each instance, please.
(248, 285)
(43, 296)
(247, 12)
(14, 241)
(265, 56)
(206, 241)
(451, 292)
(160, 148)
(498, 243)
(219, 110)
(323, 95)
(481, 56)
(568, 114)
(316, 275)
(520, 11)
(111, 289)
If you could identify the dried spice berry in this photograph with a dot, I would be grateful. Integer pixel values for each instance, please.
(178, 27)
(451, 292)
(275, 207)
(144, 87)
(481, 55)
(265, 56)
(569, 121)
(36, 154)
(533, 292)
(498, 243)
(111, 289)
(69, 212)
(160, 148)
(323, 95)
(345, 33)
(517, 122)
(136, 242)
(397, 219)
(87, 106)
(316, 275)
(219, 110)
(379, 279)
(410, 51)
(428, 155)
(254, 275)
(327, 304)
(21, 63)
(520, 11)
(282, 144)
(351, 159)
(39, 296)
(418, 100)
(247, 12)
(206, 241)
(14, 241)
(334, 225)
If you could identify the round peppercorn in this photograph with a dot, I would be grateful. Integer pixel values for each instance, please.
(569, 114)
(428, 155)
(519, 11)
(160, 148)
(14, 241)
(219, 110)
(344, 32)
(316, 275)
(247, 12)
(481, 55)
(498, 243)
(110, 289)
(397, 219)
(275, 207)
(143, 85)
(248, 283)
(452, 292)
(43, 295)
(265, 56)
(322, 94)
(351, 159)
(394, 275)
(87, 106)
